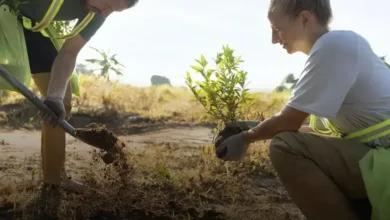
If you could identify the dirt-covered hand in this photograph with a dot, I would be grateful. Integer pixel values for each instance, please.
(244, 124)
(231, 129)
(57, 113)
(233, 148)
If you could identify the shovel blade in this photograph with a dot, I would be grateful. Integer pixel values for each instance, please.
(99, 136)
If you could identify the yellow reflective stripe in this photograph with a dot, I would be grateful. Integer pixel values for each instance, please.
(80, 27)
(51, 13)
(314, 126)
(362, 135)
(332, 127)
(369, 129)
(379, 135)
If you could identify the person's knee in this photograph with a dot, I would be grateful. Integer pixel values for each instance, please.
(282, 150)
(41, 81)
(279, 145)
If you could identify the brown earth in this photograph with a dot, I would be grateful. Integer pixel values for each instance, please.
(167, 175)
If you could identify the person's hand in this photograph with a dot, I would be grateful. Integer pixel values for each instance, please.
(57, 113)
(233, 148)
(244, 124)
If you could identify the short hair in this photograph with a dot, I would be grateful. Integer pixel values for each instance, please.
(321, 8)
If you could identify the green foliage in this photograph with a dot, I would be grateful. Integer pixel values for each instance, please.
(164, 171)
(107, 64)
(159, 80)
(222, 91)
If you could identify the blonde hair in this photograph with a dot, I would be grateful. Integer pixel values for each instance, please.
(321, 8)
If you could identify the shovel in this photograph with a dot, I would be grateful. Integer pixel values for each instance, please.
(109, 146)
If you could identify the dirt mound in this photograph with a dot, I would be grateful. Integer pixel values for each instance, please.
(98, 135)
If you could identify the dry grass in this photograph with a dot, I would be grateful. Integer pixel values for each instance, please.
(163, 181)
(100, 97)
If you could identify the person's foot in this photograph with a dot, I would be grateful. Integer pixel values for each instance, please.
(48, 187)
(74, 186)
(47, 190)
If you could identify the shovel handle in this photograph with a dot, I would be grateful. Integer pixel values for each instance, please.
(33, 98)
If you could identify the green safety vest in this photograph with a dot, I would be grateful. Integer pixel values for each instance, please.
(375, 165)
(47, 20)
(9, 25)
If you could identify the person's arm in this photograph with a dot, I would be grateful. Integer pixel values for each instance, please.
(329, 73)
(289, 119)
(64, 65)
(65, 61)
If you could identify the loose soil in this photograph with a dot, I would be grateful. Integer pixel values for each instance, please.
(98, 136)
(162, 174)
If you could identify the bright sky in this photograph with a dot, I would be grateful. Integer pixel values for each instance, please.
(165, 36)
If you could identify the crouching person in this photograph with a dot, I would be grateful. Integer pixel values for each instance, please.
(344, 85)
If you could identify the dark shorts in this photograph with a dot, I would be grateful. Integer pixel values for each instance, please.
(41, 51)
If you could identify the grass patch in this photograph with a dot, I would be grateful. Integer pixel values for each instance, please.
(162, 182)
(99, 97)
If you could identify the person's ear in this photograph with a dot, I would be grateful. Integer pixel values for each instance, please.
(304, 17)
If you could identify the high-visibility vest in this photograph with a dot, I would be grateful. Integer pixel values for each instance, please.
(49, 16)
(46, 28)
(365, 135)
(374, 166)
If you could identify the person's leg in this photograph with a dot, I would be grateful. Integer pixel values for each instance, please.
(321, 174)
(41, 54)
(52, 138)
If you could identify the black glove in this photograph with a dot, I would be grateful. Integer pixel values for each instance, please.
(57, 113)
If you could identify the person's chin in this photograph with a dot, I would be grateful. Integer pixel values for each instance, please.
(289, 50)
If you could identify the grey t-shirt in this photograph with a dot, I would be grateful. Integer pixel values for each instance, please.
(346, 82)
(70, 10)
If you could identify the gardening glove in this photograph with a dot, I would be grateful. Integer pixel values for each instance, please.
(57, 113)
(244, 124)
(233, 148)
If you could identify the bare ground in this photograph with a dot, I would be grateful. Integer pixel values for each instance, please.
(172, 174)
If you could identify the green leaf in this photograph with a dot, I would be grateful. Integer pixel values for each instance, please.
(197, 68)
(164, 171)
(203, 61)
(209, 72)
(189, 80)
(224, 96)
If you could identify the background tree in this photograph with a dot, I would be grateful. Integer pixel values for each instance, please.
(159, 80)
(288, 83)
(281, 88)
(106, 64)
(83, 69)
